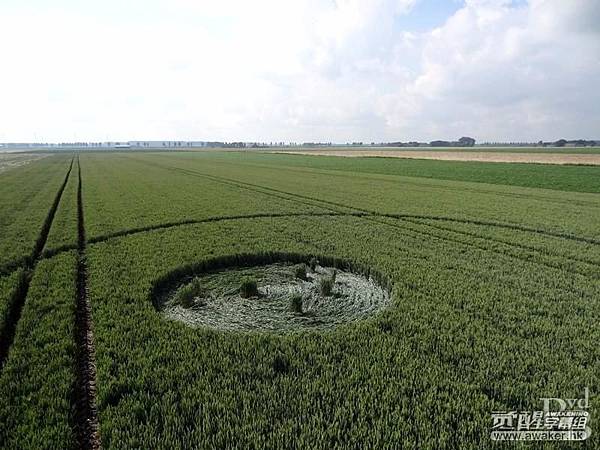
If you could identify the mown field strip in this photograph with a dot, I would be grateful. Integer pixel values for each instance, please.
(492, 157)
(18, 300)
(88, 429)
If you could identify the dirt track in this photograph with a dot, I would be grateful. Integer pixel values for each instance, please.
(539, 158)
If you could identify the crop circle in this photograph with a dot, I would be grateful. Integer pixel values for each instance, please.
(271, 292)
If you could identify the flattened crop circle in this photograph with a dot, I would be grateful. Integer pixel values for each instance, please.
(271, 292)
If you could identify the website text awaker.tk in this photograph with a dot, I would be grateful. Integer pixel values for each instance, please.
(539, 435)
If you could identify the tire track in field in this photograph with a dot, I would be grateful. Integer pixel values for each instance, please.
(17, 300)
(86, 420)
(11, 266)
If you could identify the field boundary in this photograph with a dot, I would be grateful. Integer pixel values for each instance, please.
(7, 333)
(86, 420)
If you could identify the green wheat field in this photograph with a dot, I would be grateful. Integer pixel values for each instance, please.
(492, 272)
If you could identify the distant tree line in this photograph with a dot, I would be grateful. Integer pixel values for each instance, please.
(464, 141)
(316, 144)
(573, 143)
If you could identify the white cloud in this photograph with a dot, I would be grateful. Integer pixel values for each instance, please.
(305, 70)
(499, 71)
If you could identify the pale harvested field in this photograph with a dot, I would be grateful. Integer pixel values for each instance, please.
(539, 158)
(12, 160)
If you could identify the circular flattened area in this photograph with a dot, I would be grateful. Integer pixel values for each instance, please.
(280, 296)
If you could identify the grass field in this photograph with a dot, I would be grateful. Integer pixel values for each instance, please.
(493, 272)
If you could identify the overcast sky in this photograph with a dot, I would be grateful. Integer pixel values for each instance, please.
(303, 70)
